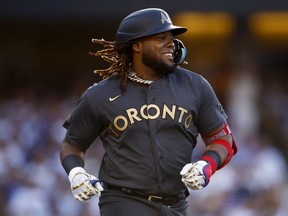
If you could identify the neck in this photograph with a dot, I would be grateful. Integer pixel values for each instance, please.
(133, 77)
(144, 72)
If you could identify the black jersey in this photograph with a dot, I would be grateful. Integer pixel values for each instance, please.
(148, 133)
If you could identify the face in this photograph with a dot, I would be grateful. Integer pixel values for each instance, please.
(157, 53)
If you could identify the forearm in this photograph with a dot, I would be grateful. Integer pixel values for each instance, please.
(219, 148)
(71, 156)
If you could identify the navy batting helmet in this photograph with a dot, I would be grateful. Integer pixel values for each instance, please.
(146, 22)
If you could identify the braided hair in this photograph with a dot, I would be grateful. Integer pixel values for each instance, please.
(117, 54)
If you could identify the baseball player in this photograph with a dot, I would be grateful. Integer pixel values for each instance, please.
(148, 112)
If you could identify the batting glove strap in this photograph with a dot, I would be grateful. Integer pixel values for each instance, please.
(81, 186)
(213, 158)
(197, 175)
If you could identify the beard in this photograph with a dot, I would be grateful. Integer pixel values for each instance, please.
(160, 67)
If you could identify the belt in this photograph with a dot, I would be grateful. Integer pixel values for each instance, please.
(165, 200)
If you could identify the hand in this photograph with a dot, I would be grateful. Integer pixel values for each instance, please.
(81, 186)
(196, 175)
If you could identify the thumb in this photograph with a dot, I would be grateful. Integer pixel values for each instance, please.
(96, 183)
(99, 186)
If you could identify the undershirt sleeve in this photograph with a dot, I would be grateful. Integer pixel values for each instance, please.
(211, 113)
(82, 125)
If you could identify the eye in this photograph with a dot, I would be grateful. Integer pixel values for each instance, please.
(161, 37)
(164, 37)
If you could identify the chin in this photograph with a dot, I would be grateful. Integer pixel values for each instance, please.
(167, 68)
(160, 67)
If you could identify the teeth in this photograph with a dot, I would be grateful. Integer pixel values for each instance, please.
(168, 54)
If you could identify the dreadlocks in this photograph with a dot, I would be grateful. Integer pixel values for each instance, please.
(119, 55)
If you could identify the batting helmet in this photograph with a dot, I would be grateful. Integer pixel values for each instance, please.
(146, 22)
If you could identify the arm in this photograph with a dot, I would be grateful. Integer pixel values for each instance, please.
(82, 129)
(221, 142)
(220, 148)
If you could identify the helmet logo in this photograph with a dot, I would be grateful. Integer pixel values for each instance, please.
(165, 18)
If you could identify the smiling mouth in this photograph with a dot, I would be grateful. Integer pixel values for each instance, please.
(170, 55)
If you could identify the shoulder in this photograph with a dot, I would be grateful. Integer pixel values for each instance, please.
(103, 86)
(187, 74)
(102, 90)
(188, 77)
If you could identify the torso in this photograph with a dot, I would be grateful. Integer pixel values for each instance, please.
(150, 131)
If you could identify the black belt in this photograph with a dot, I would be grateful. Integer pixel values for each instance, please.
(166, 200)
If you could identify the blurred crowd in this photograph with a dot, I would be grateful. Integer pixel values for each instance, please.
(33, 182)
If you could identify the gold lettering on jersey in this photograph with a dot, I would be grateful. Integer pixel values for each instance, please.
(182, 112)
(153, 107)
(188, 120)
(113, 131)
(120, 123)
(171, 112)
(143, 112)
(151, 112)
(132, 115)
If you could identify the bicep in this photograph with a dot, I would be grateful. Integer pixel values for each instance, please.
(211, 114)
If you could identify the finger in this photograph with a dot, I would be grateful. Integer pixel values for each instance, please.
(97, 193)
(88, 192)
(78, 198)
(84, 196)
(186, 169)
(194, 185)
(197, 187)
(93, 190)
(196, 180)
(99, 186)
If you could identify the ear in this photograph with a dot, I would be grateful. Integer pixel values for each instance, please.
(137, 47)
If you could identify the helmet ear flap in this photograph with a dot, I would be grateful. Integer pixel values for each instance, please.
(180, 52)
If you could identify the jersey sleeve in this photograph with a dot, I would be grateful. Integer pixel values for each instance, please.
(211, 113)
(82, 125)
